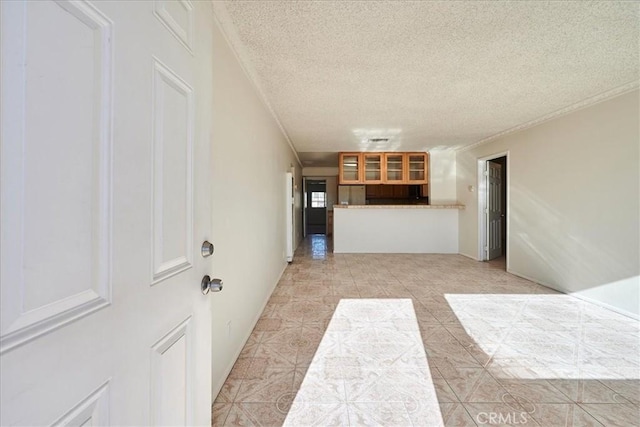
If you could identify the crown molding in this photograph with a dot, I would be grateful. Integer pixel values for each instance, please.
(228, 29)
(587, 102)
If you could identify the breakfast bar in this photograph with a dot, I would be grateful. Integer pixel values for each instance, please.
(416, 228)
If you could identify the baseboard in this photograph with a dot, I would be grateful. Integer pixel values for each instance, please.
(577, 295)
(227, 371)
(605, 305)
(468, 256)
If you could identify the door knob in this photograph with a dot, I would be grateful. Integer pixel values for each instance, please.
(210, 285)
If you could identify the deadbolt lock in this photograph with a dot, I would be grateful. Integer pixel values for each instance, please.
(206, 249)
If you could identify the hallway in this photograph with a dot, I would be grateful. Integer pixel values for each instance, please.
(499, 349)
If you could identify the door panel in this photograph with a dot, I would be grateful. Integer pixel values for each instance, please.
(105, 201)
(177, 16)
(92, 411)
(172, 173)
(170, 378)
(55, 166)
(495, 210)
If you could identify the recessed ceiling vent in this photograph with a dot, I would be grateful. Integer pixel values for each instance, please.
(378, 140)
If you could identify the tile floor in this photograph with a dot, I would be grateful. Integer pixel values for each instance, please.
(494, 349)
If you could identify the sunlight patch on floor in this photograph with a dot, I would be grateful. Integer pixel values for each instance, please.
(369, 369)
(549, 336)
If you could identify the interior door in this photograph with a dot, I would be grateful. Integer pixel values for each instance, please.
(105, 204)
(494, 210)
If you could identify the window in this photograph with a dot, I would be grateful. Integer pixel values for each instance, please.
(318, 199)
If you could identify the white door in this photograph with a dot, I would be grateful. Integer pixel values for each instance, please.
(290, 212)
(494, 210)
(105, 204)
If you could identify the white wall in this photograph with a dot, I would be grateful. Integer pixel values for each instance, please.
(442, 177)
(395, 230)
(250, 157)
(319, 171)
(573, 190)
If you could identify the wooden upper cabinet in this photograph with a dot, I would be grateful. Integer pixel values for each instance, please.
(350, 168)
(372, 166)
(417, 168)
(384, 168)
(394, 168)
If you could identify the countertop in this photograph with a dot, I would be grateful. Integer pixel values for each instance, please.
(398, 206)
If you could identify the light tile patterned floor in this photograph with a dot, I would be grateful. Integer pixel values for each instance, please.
(370, 367)
(500, 350)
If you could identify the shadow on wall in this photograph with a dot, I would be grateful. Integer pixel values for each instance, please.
(557, 251)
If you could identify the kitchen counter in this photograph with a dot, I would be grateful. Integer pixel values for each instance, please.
(416, 206)
(396, 228)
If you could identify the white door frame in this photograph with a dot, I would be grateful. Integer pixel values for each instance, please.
(290, 214)
(482, 204)
(303, 205)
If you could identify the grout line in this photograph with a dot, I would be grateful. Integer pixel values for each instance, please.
(358, 268)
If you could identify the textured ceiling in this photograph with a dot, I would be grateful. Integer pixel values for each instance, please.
(428, 75)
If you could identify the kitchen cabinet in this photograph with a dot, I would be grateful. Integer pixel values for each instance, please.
(425, 190)
(395, 168)
(350, 168)
(400, 191)
(383, 168)
(372, 166)
(417, 164)
(387, 192)
(373, 191)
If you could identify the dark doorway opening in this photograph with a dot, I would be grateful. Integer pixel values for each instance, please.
(316, 206)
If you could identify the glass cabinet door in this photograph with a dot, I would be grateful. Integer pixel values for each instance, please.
(350, 168)
(394, 167)
(417, 164)
(372, 163)
(383, 168)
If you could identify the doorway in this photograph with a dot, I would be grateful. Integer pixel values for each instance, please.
(316, 206)
(493, 209)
